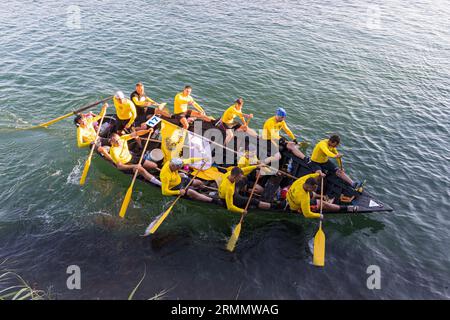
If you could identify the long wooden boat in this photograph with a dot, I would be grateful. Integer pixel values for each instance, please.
(334, 187)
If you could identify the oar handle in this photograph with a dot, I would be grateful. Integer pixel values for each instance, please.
(91, 105)
(142, 156)
(97, 133)
(321, 196)
(251, 195)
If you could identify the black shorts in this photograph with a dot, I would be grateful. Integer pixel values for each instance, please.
(143, 114)
(327, 167)
(228, 126)
(134, 159)
(241, 201)
(179, 116)
(182, 185)
(120, 124)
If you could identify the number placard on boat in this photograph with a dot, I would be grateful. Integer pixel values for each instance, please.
(153, 121)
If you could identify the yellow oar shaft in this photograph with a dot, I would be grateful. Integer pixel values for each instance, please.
(237, 230)
(166, 213)
(319, 239)
(46, 124)
(88, 161)
(126, 200)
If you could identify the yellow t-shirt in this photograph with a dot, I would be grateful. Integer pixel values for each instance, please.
(87, 135)
(299, 199)
(227, 188)
(170, 179)
(180, 104)
(121, 153)
(271, 129)
(231, 113)
(125, 110)
(322, 151)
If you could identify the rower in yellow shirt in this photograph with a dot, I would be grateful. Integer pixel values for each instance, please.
(144, 105)
(86, 132)
(127, 161)
(228, 192)
(276, 143)
(228, 124)
(299, 197)
(172, 184)
(181, 108)
(125, 111)
(324, 150)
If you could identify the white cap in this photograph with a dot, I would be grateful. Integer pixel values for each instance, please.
(176, 162)
(120, 95)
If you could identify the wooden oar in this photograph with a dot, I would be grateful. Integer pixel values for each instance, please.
(319, 239)
(154, 225)
(339, 161)
(126, 200)
(48, 123)
(237, 230)
(87, 164)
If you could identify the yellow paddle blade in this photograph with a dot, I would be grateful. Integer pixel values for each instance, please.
(234, 237)
(152, 227)
(46, 124)
(126, 201)
(319, 248)
(87, 164)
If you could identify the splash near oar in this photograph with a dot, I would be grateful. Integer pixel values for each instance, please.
(237, 230)
(48, 123)
(87, 164)
(319, 239)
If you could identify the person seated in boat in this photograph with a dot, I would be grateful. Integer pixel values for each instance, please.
(228, 124)
(173, 184)
(144, 106)
(125, 112)
(181, 112)
(249, 158)
(324, 150)
(271, 133)
(125, 160)
(86, 132)
(299, 197)
(228, 191)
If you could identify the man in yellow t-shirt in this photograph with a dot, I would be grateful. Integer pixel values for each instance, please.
(302, 197)
(228, 124)
(127, 161)
(324, 150)
(145, 106)
(125, 112)
(181, 108)
(276, 143)
(228, 192)
(172, 184)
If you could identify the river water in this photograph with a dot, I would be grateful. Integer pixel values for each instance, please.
(376, 72)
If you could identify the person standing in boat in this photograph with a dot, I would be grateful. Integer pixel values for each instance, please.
(302, 197)
(125, 160)
(143, 106)
(324, 150)
(181, 103)
(228, 124)
(228, 191)
(173, 184)
(125, 112)
(271, 134)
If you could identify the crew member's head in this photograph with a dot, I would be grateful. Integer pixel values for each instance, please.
(187, 90)
(236, 174)
(140, 88)
(120, 96)
(80, 121)
(280, 114)
(115, 140)
(239, 102)
(175, 164)
(310, 185)
(334, 141)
